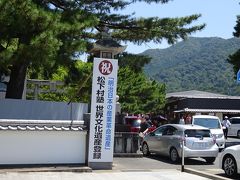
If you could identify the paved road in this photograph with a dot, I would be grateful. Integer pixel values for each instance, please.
(160, 162)
(156, 162)
(102, 175)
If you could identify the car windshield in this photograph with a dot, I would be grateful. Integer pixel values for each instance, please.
(197, 133)
(235, 121)
(207, 122)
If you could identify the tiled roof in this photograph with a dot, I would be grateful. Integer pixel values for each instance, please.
(199, 94)
(41, 125)
(43, 128)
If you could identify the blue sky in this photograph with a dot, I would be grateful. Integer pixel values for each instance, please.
(218, 15)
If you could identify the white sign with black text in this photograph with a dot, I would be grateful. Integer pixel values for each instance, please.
(102, 122)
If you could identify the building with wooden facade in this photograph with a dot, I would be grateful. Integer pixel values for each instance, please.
(200, 102)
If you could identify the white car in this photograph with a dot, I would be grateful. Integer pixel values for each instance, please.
(229, 160)
(167, 140)
(234, 129)
(215, 126)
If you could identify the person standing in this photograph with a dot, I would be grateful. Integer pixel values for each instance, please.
(143, 127)
(181, 120)
(226, 124)
(188, 119)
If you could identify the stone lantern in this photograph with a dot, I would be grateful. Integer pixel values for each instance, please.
(106, 47)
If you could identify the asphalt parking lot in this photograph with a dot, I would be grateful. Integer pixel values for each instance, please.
(156, 162)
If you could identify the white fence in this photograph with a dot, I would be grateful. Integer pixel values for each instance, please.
(42, 147)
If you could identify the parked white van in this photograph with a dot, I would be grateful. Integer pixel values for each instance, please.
(215, 126)
(234, 129)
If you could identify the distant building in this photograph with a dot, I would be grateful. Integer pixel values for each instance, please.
(200, 102)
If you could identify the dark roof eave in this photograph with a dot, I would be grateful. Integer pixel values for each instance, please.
(208, 110)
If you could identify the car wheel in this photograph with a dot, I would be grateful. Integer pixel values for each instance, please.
(174, 157)
(210, 159)
(238, 134)
(230, 166)
(145, 149)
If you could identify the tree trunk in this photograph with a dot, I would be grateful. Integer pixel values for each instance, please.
(15, 86)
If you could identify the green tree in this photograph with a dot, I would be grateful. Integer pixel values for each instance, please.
(234, 59)
(137, 93)
(134, 62)
(49, 33)
(35, 34)
(77, 86)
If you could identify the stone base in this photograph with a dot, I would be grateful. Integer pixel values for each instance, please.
(100, 165)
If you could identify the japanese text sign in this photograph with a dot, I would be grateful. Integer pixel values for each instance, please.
(102, 122)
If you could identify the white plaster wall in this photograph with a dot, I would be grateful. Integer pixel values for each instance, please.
(42, 110)
(42, 147)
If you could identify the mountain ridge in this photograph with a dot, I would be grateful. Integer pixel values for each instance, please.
(196, 63)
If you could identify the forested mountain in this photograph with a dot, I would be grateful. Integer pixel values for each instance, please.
(197, 63)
